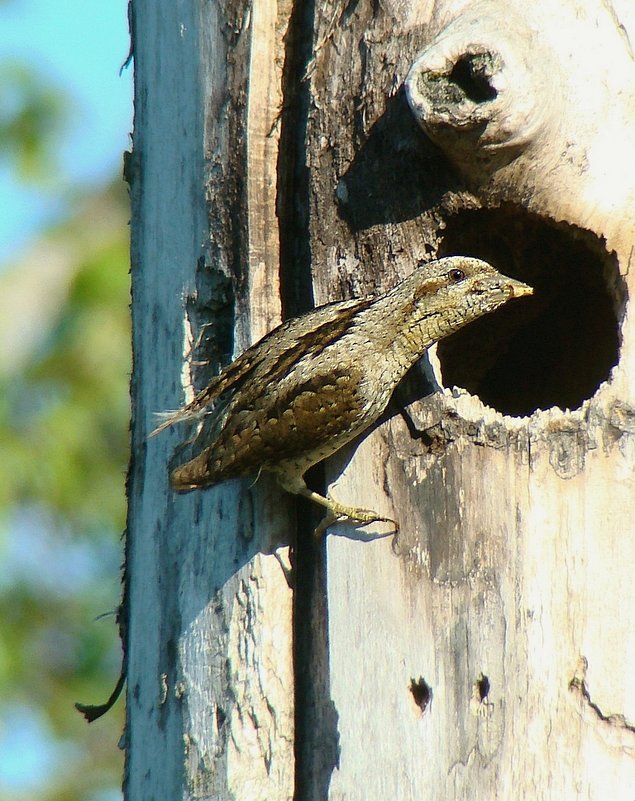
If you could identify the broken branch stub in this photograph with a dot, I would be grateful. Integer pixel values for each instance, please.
(533, 104)
(477, 95)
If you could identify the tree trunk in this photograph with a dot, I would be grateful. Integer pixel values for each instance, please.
(486, 650)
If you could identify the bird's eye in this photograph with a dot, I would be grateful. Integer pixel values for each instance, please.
(456, 276)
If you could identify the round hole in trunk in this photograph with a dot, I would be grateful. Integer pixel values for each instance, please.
(554, 348)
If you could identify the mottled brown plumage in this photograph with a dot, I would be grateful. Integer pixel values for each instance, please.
(319, 380)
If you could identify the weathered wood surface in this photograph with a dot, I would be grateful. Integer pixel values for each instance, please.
(516, 552)
(210, 683)
(487, 650)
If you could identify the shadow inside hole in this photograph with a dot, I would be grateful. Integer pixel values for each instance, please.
(421, 693)
(554, 348)
(482, 687)
(472, 75)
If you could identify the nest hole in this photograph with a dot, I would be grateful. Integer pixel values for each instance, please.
(554, 348)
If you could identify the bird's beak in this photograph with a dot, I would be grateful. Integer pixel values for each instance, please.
(518, 289)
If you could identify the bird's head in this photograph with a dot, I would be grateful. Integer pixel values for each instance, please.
(453, 291)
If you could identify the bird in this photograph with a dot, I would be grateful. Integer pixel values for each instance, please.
(321, 379)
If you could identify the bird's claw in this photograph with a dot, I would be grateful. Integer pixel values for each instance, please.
(338, 512)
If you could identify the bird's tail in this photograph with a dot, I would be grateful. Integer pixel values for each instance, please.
(169, 418)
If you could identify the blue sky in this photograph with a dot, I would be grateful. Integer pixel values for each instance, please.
(78, 45)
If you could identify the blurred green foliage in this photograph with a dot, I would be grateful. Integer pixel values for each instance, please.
(32, 113)
(68, 405)
(64, 441)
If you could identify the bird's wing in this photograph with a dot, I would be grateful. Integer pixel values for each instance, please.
(298, 426)
(269, 359)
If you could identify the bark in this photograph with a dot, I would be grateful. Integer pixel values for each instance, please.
(484, 651)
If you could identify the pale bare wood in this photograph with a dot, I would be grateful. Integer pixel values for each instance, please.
(515, 557)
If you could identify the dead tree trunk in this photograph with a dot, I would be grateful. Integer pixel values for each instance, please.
(286, 154)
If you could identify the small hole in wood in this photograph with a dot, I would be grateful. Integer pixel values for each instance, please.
(421, 693)
(482, 686)
(471, 74)
(554, 348)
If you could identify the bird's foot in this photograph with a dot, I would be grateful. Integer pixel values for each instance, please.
(337, 512)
